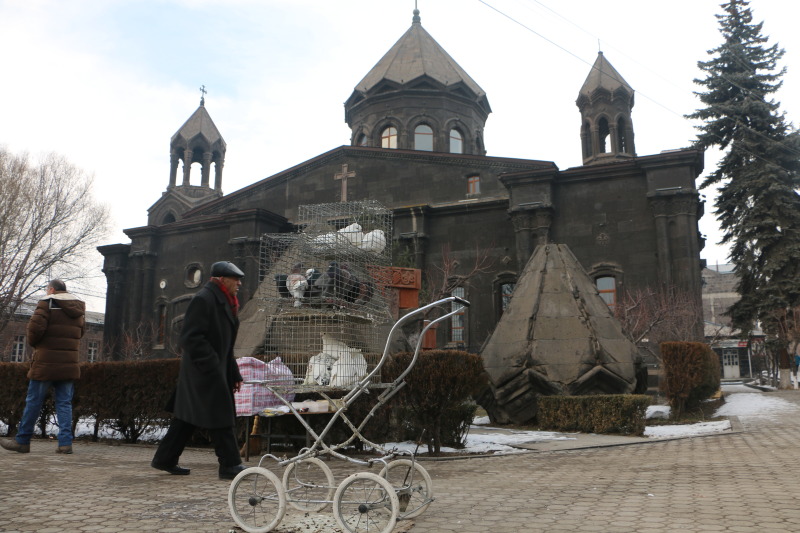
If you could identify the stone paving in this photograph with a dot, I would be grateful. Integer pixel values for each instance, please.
(740, 481)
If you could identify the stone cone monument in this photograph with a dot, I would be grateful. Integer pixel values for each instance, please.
(557, 336)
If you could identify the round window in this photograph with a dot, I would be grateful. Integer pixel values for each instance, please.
(194, 276)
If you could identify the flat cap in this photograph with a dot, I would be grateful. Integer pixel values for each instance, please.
(226, 269)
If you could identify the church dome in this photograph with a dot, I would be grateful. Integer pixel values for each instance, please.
(417, 84)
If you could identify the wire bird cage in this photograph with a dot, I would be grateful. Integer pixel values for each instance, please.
(325, 291)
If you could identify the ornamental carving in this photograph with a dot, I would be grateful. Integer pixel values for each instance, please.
(521, 222)
(602, 239)
(674, 206)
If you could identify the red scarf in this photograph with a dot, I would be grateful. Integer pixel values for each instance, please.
(232, 299)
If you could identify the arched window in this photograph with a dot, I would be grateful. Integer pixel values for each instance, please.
(456, 142)
(506, 290)
(607, 287)
(161, 320)
(169, 218)
(423, 138)
(603, 133)
(361, 140)
(457, 320)
(473, 185)
(389, 137)
(622, 137)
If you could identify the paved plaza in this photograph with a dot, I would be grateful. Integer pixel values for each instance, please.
(741, 481)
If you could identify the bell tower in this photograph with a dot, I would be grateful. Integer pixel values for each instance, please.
(605, 102)
(197, 141)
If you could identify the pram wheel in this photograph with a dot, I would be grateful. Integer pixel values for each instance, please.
(365, 502)
(256, 499)
(308, 484)
(413, 486)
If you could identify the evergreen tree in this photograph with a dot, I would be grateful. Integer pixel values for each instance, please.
(758, 206)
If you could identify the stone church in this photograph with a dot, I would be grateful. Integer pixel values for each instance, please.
(417, 148)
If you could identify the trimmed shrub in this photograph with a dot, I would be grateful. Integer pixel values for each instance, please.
(691, 375)
(128, 396)
(624, 414)
(438, 393)
(14, 378)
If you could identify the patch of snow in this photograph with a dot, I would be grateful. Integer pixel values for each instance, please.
(749, 405)
(658, 411)
(687, 430)
(740, 400)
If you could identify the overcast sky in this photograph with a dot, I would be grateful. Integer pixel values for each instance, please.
(107, 82)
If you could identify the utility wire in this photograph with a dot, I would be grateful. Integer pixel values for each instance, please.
(528, 28)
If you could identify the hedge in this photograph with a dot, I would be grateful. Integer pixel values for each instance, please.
(623, 414)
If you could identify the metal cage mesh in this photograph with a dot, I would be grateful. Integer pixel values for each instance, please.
(325, 289)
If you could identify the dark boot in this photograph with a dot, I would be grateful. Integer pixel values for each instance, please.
(14, 446)
(230, 472)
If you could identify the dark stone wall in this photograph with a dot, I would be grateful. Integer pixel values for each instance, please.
(635, 219)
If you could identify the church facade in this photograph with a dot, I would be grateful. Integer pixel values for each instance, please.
(417, 148)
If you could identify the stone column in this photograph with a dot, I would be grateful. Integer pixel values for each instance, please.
(218, 175)
(612, 134)
(173, 168)
(532, 228)
(187, 166)
(660, 209)
(206, 172)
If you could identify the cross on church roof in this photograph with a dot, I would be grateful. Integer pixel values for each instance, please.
(203, 95)
(343, 175)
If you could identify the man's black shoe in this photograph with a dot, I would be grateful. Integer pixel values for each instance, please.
(175, 470)
(230, 472)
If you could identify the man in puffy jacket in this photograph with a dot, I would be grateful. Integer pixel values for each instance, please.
(208, 375)
(55, 332)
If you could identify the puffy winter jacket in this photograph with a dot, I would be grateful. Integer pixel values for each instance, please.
(55, 332)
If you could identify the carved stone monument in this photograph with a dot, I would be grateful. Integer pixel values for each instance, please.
(557, 336)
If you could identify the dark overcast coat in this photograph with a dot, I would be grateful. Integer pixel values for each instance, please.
(55, 332)
(208, 372)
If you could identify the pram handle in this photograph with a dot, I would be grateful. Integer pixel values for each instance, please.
(462, 301)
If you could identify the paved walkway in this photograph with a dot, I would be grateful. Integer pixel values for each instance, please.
(735, 482)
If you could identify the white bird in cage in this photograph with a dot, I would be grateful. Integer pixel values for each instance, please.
(374, 241)
(322, 243)
(321, 365)
(296, 284)
(353, 233)
(350, 365)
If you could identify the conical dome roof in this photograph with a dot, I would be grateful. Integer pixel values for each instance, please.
(604, 76)
(417, 54)
(199, 124)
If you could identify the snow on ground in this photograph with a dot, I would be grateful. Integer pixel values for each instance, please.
(750, 405)
(740, 401)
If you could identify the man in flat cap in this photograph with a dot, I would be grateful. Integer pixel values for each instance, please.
(208, 376)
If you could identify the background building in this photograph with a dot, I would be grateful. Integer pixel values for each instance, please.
(14, 345)
(418, 148)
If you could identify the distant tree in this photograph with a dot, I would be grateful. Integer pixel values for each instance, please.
(651, 316)
(758, 206)
(48, 224)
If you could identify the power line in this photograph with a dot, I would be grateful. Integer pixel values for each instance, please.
(665, 107)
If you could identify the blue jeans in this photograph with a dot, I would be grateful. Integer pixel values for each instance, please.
(62, 396)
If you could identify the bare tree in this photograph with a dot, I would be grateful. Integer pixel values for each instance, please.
(650, 316)
(444, 277)
(49, 223)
